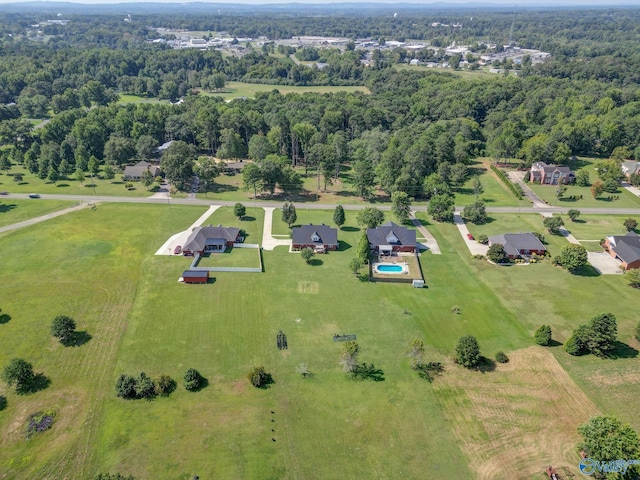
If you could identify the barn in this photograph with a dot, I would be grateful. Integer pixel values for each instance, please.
(195, 276)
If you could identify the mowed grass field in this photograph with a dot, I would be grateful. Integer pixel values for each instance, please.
(14, 211)
(240, 89)
(98, 266)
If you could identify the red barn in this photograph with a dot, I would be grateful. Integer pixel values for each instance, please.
(195, 276)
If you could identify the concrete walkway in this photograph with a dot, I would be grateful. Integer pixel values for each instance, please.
(268, 242)
(516, 177)
(634, 190)
(563, 231)
(42, 218)
(181, 238)
(475, 247)
(430, 241)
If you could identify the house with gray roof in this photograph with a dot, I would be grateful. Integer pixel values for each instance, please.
(318, 237)
(390, 237)
(625, 248)
(211, 239)
(548, 174)
(629, 168)
(518, 245)
(135, 172)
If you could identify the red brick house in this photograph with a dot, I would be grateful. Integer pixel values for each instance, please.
(390, 237)
(625, 248)
(550, 174)
(318, 237)
(210, 239)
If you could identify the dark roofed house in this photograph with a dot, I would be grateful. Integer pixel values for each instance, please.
(630, 167)
(319, 237)
(390, 237)
(550, 174)
(136, 171)
(210, 239)
(626, 248)
(518, 245)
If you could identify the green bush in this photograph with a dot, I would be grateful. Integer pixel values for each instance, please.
(573, 346)
(501, 357)
(483, 239)
(125, 386)
(144, 387)
(258, 377)
(543, 335)
(163, 384)
(192, 380)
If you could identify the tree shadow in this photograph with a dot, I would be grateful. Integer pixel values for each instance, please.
(248, 218)
(62, 185)
(586, 271)
(116, 182)
(623, 350)
(39, 382)
(3, 403)
(485, 364)
(90, 185)
(77, 339)
(211, 280)
(363, 277)
(554, 343)
(315, 262)
(268, 381)
(5, 207)
(204, 383)
(366, 371)
(350, 229)
(342, 246)
(4, 318)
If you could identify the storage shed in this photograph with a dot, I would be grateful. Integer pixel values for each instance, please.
(195, 276)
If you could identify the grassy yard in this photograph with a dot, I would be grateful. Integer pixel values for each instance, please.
(548, 193)
(124, 99)
(99, 268)
(14, 211)
(232, 257)
(495, 192)
(596, 227)
(32, 184)
(240, 89)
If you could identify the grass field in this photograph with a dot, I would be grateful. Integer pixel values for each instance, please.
(32, 184)
(124, 99)
(251, 223)
(100, 268)
(240, 89)
(495, 192)
(14, 211)
(596, 227)
(232, 257)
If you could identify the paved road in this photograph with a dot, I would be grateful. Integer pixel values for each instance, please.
(301, 205)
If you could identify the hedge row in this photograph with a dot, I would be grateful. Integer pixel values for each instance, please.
(515, 189)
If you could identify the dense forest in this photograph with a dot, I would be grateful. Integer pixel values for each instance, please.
(411, 131)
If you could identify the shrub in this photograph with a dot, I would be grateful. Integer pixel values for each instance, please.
(501, 357)
(144, 387)
(39, 422)
(163, 384)
(515, 189)
(258, 377)
(497, 254)
(125, 386)
(483, 239)
(307, 254)
(572, 346)
(192, 380)
(543, 335)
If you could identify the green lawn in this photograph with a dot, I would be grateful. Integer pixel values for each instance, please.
(240, 89)
(32, 184)
(251, 223)
(124, 99)
(596, 227)
(232, 257)
(606, 200)
(99, 268)
(14, 211)
(495, 192)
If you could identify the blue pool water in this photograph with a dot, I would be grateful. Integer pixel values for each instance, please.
(389, 268)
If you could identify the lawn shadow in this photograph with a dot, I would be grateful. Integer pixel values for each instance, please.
(586, 271)
(367, 371)
(3, 403)
(204, 383)
(315, 262)
(62, 185)
(248, 218)
(117, 183)
(39, 382)
(77, 339)
(342, 246)
(485, 365)
(5, 207)
(268, 381)
(211, 280)
(554, 343)
(90, 185)
(363, 277)
(4, 318)
(623, 350)
(350, 229)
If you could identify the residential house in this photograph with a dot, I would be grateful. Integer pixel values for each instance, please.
(318, 237)
(211, 239)
(390, 238)
(518, 245)
(545, 174)
(630, 167)
(625, 248)
(136, 171)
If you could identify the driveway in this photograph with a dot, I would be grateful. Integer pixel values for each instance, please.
(268, 242)
(474, 247)
(634, 190)
(181, 238)
(604, 263)
(516, 177)
(430, 242)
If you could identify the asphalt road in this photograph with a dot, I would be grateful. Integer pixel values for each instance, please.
(303, 205)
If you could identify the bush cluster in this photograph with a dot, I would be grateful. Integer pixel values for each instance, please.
(142, 386)
(39, 422)
(515, 189)
(501, 357)
(258, 377)
(192, 380)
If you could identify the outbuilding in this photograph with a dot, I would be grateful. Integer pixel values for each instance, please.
(195, 276)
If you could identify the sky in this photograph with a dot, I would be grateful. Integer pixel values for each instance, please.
(514, 3)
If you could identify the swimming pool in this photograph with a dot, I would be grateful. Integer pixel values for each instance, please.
(390, 268)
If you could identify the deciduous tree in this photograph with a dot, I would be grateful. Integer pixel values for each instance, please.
(573, 256)
(239, 210)
(401, 206)
(289, 215)
(63, 328)
(18, 372)
(370, 217)
(468, 351)
(630, 224)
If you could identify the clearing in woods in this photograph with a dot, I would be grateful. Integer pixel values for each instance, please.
(518, 418)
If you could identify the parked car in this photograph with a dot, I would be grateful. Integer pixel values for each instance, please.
(177, 250)
(34, 195)
(470, 237)
(4, 193)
